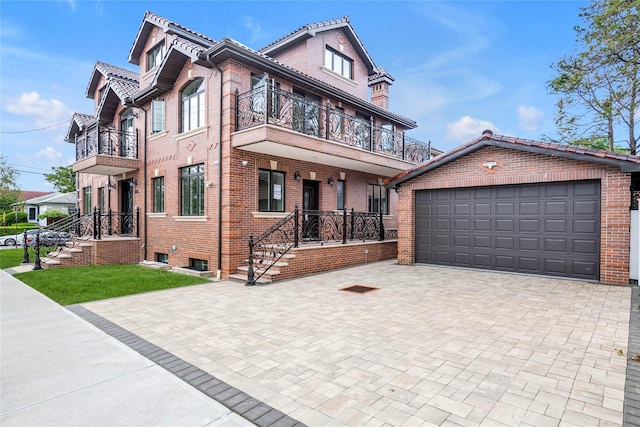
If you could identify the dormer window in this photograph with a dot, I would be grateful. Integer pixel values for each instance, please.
(154, 55)
(338, 63)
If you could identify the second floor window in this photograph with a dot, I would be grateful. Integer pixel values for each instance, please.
(158, 194)
(154, 56)
(270, 191)
(86, 199)
(342, 193)
(192, 190)
(378, 196)
(102, 199)
(157, 115)
(337, 62)
(193, 108)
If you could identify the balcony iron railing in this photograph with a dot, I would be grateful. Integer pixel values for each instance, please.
(270, 105)
(319, 227)
(106, 141)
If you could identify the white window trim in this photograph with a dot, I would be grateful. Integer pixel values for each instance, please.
(157, 135)
(192, 132)
(270, 215)
(190, 218)
(149, 73)
(339, 76)
(156, 214)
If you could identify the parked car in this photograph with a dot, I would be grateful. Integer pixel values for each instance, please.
(30, 234)
(47, 238)
(10, 240)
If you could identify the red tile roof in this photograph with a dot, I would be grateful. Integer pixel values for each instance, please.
(626, 162)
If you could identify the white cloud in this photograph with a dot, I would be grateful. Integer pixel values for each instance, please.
(254, 27)
(51, 156)
(467, 128)
(72, 3)
(529, 118)
(46, 112)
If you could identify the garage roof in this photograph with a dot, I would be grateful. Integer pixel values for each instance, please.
(626, 162)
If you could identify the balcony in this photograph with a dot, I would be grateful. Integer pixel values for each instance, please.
(106, 151)
(267, 118)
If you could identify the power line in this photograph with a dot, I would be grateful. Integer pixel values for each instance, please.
(34, 130)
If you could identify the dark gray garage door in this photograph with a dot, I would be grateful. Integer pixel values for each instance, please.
(550, 229)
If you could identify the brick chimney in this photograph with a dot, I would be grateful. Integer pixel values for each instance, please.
(379, 84)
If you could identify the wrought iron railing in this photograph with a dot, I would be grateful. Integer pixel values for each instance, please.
(76, 229)
(107, 141)
(270, 105)
(307, 226)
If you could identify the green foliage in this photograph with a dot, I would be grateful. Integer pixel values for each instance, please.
(63, 178)
(599, 86)
(81, 284)
(53, 214)
(11, 257)
(9, 217)
(17, 228)
(9, 193)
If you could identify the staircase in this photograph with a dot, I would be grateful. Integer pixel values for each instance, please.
(262, 261)
(74, 254)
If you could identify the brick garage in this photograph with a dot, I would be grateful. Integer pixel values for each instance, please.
(494, 163)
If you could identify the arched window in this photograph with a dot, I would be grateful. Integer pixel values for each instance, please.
(193, 110)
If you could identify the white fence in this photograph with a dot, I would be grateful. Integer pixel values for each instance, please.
(634, 262)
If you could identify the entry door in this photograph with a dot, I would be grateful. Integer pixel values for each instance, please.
(127, 140)
(310, 206)
(126, 206)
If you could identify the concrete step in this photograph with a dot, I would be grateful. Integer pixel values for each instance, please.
(61, 255)
(243, 278)
(266, 261)
(288, 255)
(271, 272)
(50, 261)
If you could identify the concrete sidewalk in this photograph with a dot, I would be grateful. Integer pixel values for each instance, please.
(58, 370)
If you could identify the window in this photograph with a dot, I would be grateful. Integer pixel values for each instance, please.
(157, 115)
(258, 82)
(158, 194)
(193, 105)
(337, 62)
(342, 188)
(378, 196)
(154, 55)
(86, 199)
(102, 200)
(192, 184)
(163, 258)
(270, 191)
(128, 137)
(362, 130)
(33, 213)
(198, 264)
(336, 126)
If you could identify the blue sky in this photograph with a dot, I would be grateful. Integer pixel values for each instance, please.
(459, 66)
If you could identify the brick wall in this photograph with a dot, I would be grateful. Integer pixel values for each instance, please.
(517, 167)
(117, 251)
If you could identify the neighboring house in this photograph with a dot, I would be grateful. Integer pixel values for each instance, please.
(53, 201)
(211, 141)
(508, 204)
(28, 195)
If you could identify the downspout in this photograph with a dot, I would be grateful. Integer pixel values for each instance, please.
(144, 171)
(219, 272)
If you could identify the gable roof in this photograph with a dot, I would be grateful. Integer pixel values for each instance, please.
(78, 122)
(151, 20)
(626, 162)
(56, 198)
(26, 195)
(110, 72)
(229, 48)
(310, 30)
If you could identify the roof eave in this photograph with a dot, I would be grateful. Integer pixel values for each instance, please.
(226, 49)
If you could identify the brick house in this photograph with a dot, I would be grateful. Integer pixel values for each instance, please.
(211, 141)
(507, 204)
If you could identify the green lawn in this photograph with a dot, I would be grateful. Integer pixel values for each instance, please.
(12, 257)
(81, 284)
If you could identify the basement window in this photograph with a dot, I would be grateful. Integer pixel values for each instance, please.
(198, 264)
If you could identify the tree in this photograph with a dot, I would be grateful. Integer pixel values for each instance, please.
(599, 87)
(9, 192)
(63, 179)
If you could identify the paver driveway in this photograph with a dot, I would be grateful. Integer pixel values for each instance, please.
(432, 346)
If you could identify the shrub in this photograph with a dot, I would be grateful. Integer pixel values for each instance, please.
(9, 218)
(53, 214)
